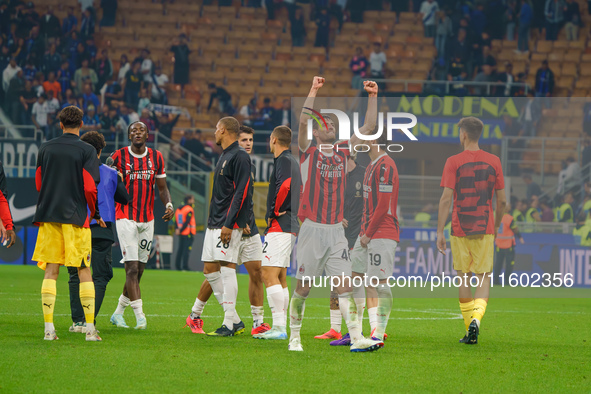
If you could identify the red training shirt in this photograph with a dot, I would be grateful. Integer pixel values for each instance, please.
(473, 176)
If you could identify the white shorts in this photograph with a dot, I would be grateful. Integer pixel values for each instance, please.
(322, 248)
(135, 239)
(250, 249)
(376, 260)
(215, 250)
(277, 249)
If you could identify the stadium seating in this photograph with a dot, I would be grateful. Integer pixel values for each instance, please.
(238, 48)
(226, 47)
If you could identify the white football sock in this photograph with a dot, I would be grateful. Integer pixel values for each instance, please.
(384, 308)
(285, 306)
(89, 327)
(230, 294)
(359, 296)
(373, 316)
(137, 309)
(217, 285)
(49, 327)
(360, 303)
(197, 309)
(258, 313)
(123, 303)
(349, 310)
(275, 299)
(296, 314)
(336, 319)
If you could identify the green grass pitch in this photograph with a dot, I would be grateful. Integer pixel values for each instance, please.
(526, 345)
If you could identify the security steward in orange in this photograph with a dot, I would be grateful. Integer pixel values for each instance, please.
(505, 245)
(185, 230)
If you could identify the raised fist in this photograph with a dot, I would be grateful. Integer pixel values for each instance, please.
(318, 82)
(370, 87)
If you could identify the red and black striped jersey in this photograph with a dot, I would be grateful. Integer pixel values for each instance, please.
(66, 178)
(324, 178)
(284, 195)
(380, 199)
(473, 176)
(139, 174)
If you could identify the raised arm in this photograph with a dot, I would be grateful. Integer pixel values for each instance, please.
(371, 115)
(303, 141)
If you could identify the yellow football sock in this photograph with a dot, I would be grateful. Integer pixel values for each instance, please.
(48, 292)
(467, 309)
(479, 308)
(87, 300)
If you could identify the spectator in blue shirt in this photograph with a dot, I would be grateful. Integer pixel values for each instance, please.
(70, 22)
(70, 100)
(478, 19)
(64, 76)
(29, 71)
(525, 20)
(91, 120)
(89, 98)
(544, 83)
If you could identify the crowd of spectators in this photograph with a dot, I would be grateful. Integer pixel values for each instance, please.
(47, 64)
(464, 32)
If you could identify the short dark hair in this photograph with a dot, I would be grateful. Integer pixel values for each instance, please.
(187, 198)
(471, 126)
(246, 129)
(95, 139)
(316, 126)
(283, 135)
(137, 121)
(71, 117)
(231, 124)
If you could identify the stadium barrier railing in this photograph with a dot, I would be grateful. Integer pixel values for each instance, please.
(30, 133)
(453, 87)
(524, 227)
(538, 154)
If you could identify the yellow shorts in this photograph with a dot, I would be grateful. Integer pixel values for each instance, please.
(473, 253)
(63, 244)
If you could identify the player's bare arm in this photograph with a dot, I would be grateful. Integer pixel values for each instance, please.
(444, 204)
(371, 116)
(165, 198)
(303, 142)
(501, 203)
